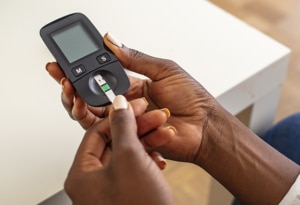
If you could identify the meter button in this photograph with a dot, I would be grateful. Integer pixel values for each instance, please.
(78, 70)
(103, 58)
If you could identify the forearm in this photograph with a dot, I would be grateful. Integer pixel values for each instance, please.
(249, 168)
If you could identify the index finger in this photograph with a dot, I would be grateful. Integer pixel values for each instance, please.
(152, 67)
(93, 145)
(55, 71)
(123, 125)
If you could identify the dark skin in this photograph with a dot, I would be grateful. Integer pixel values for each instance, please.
(207, 134)
(104, 175)
(166, 77)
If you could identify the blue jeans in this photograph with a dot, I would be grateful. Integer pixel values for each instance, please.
(285, 137)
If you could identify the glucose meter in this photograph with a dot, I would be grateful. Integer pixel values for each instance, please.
(78, 48)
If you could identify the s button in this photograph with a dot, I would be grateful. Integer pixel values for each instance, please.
(103, 58)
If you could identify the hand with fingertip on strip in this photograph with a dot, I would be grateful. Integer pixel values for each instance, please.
(122, 173)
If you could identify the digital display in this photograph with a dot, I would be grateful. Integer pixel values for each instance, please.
(75, 42)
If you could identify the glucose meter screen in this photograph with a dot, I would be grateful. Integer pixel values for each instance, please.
(74, 42)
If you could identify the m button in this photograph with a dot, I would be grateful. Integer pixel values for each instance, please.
(78, 71)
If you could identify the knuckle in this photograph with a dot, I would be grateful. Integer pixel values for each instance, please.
(68, 187)
(121, 119)
(136, 54)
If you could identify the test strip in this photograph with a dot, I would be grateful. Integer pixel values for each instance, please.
(105, 87)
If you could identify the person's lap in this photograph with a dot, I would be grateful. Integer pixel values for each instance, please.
(285, 137)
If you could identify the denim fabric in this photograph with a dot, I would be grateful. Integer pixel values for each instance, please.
(285, 137)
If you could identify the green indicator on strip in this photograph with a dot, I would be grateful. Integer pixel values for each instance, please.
(105, 87)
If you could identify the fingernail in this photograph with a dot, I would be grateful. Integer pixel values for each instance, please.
(47, 65)
(62, 81)
(120, 102)
(173, 129)
(167, 112)
(113, 40)
(146, 101)
(74, 99)
(160, 161)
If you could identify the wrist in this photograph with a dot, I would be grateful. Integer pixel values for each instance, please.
(242, 162)
(216, 126)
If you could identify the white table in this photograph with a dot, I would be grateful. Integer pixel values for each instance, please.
(237, 64)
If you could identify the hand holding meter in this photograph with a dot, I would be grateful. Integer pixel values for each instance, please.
(78, 48)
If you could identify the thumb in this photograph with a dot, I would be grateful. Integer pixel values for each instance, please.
(123, 124)
(139, 62)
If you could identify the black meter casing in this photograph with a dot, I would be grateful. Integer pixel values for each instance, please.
(79, 49)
